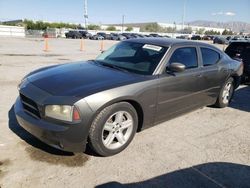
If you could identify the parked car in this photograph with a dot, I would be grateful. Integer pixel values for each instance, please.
(134, 85)
(85, 34)
(127, 35)
(73, 35)
(104, 35)
(183, 37)
(196, 37)
(241, 50)
(229, 38)
(97, 37)
(207, 37)
(155, 35)
(166, 36)
(141, 36)
(220, 40)
(115, 36)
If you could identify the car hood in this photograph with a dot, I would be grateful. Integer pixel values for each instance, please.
(80, 79)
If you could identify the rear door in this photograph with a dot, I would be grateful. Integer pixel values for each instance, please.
(179, 92)
(214, 74)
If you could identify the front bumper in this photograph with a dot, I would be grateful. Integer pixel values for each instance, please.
(57, 136)
(60, 135)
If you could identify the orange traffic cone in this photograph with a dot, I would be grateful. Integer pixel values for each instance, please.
(46, 45)
(102, 46)
(82, 45)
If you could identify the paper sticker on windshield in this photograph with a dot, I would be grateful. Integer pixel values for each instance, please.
(152, 47)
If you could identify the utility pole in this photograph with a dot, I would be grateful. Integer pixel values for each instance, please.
(123, 18)
(86, 14)
(184, 14)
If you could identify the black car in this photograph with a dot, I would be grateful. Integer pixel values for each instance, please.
(196, 37)
(220, 40)
(73, 35)
(115, 36)
(207, 37)
(85, 34)
(128, 35)
(241, 50)
(155, 35)
(134, 85)
(186, 37)
(104, 35)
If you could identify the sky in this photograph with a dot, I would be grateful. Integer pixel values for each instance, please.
(111, 11)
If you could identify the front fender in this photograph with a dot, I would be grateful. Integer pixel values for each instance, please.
(143, 93)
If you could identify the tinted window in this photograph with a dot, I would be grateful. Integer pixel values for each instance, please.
(209, 57)
(236, 48)
(186, 56)
(246, 55)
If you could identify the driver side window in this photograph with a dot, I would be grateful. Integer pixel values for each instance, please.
(186, 56)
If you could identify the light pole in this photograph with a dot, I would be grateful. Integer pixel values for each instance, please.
(123, 18)
(184, 14)
(86, 13)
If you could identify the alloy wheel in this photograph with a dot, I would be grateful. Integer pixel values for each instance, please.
(117, 130)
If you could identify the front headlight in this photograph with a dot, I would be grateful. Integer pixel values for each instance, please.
(62, 112)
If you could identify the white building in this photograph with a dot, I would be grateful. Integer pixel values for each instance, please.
(121, 29)
(12, 31)
(136, 27)
(194, 28)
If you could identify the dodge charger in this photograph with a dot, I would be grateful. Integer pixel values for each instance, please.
(134, 85)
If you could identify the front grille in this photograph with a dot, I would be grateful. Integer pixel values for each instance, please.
(30, 106)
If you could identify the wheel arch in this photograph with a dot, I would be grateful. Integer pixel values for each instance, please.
(137, 106)
(237, 80)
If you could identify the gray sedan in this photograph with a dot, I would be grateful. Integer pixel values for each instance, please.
(134, 85)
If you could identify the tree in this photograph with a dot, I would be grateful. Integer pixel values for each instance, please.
(200, 31)
(169, 30)
(129, 28)
(227, 32)
(151, 27)
(212, 32)
(94, 27)
(40, 25)
(187, 30)
(111, 28)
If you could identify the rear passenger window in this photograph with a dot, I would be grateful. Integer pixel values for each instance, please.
(209, 57)
(187, 56)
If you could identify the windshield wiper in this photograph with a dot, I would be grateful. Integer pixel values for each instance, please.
(112, 66)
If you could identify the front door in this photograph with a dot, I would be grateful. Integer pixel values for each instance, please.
(179, 92)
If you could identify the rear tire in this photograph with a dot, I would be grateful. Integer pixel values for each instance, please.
(226, 94)
(113, 129)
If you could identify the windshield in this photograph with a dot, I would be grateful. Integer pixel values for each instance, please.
(134, 57)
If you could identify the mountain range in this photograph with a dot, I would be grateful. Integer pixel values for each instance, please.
(236, 26)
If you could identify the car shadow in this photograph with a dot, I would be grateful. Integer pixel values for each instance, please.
(208, 175)
(241, 99)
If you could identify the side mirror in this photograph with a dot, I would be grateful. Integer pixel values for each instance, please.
(176, 67)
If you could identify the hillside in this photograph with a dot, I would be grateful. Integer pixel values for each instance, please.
(236, 26)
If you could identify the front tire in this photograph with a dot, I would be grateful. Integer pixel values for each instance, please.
(113, 129)
(226, 94)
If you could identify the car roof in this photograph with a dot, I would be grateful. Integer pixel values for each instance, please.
(240, 41)
(168, 42)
